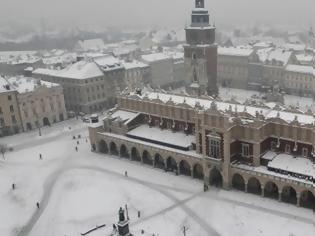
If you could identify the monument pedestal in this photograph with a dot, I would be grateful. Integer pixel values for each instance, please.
(123, 228)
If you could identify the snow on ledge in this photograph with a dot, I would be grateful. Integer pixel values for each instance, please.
(178, 139)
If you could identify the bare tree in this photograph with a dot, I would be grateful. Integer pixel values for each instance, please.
(3, 149)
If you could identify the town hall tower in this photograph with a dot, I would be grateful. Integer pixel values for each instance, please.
(201, 53)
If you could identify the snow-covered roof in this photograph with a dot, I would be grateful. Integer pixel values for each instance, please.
(268, 113)
(79, 70)
(134, 64)
(91, 44)
(298, 165)
(125, 116)
(305, 58)
(178, 139)
(301, 69)
(263, 44)
(268, 55)
(64, 58)
(108, 62)
(269, 155)
(27, 84)
(125, 50)
(155, 57)
(295, 47)
(18, 57)
(235, 51)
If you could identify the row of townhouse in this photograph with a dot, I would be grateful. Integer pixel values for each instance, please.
(261, 69)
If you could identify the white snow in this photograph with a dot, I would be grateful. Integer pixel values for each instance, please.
(79, 190)
(235, 51)
(225, 106)
(298, 165)
(269, 155)
(155, 57)
(301, 69)
(28, 84)
(125, 116)
(268, 55)
(129, 65)
(79, 70)
(163, 136)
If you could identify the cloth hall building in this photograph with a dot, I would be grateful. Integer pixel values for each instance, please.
(254, 149)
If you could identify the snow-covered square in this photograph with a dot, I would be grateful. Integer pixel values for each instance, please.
(78, 190)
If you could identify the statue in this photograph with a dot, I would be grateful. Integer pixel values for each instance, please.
(121, 215)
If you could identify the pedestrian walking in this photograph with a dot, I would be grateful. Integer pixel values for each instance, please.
(78, 142)
(76, 148)
(40, 157)
(138, 214)
(13, 186)
(126, 173)
(37, 204)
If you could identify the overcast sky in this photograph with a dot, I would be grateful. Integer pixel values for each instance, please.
(133, 13)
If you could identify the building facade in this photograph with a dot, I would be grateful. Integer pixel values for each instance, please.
(201, 53)
(10, 119)
(161, 69)
(253, 149)
(40, 103)
(89, 85)
(233, 66)
(136, 73)
(300, 80)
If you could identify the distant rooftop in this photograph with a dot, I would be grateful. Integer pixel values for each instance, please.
(155, 57)
(235, 51)
(27, 84)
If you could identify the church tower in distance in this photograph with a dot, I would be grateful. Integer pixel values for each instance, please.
(201, 53)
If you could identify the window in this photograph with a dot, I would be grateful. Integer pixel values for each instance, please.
(11, 108)
(273, 146)
(1, 110)
(215, 148)
(9, 97)
(287, 148)
(214, 145)
(304, 152)
(245, 150)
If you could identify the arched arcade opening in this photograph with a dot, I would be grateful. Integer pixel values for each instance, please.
(238, 182)
(184, 168)
(103, 148)
(215, 178)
